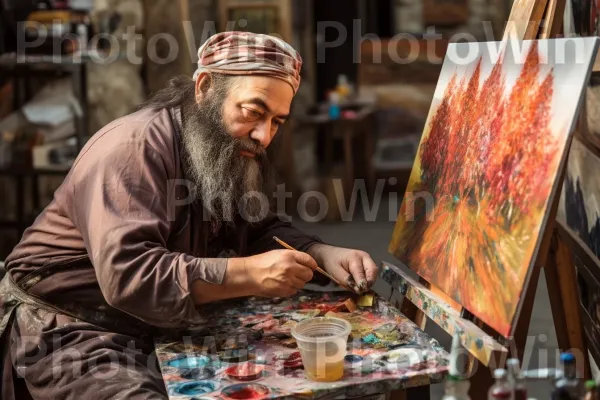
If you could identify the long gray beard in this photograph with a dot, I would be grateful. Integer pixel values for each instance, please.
(221, 175)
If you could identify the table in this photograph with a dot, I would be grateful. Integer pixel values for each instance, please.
(386, 351)
(360, 125)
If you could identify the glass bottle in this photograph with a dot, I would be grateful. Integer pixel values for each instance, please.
(515, 380)
(501, 389)
(590, 391)
(568, 386)
(456, 389)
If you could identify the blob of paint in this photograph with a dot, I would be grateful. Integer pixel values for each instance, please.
(293, 361)
(479, 343)
(189, 362)
(195, 388)
(371, 339)
(251, 391)
(351, 358)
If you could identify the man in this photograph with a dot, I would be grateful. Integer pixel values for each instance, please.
(146, 229)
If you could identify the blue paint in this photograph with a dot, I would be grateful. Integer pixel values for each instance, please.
(195, 388)
(351, 358)
(189, 362)
(479, 343)
(371, 339)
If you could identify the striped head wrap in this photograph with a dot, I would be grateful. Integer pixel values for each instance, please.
(246, 53)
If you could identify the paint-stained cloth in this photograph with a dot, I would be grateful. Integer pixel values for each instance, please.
(246, 53)
(109, 264)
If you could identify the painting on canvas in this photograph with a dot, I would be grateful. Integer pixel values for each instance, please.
(588, 282)
(580, 201)
(591, 130)
(486, 171)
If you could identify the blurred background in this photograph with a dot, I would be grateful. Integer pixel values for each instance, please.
(67, 68)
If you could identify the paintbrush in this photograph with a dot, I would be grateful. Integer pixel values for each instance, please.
(319, 269)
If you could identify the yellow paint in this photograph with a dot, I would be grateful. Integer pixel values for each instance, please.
(365, 301)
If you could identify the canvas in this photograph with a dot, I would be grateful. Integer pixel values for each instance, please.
(481, 187)
(580, 201)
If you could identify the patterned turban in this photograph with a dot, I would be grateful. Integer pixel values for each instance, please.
(246, 53)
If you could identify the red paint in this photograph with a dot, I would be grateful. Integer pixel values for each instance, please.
(246, 393)
(293, 361)
(245, 371)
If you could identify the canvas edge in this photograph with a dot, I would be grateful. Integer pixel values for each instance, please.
(554, 191)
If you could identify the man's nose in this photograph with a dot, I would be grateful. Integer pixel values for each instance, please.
(262, 134)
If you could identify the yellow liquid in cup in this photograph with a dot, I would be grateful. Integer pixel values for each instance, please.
(322, 343)
(324, 362)
(326, 372)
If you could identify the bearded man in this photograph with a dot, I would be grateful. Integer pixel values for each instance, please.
(146, 230)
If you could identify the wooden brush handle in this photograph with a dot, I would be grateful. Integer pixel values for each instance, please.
(319, 269)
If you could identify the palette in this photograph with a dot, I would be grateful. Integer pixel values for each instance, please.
(246, 351)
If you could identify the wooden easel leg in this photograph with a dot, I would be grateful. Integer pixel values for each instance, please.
(562, 283)
(481, 379)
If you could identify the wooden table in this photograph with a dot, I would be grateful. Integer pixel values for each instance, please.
(360, 126)
(386, 351)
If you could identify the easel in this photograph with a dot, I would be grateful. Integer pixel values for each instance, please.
(486, 347)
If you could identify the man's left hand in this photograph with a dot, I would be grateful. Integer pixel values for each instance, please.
(353, 268)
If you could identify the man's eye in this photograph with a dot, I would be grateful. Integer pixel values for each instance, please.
(251, 114)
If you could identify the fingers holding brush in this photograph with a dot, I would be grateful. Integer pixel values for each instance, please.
(352, 268)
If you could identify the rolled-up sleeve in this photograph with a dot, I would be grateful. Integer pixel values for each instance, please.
(121, 200)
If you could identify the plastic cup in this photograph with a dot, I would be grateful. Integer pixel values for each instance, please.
(322, 343)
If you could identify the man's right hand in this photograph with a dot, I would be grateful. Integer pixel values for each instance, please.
(279, 273)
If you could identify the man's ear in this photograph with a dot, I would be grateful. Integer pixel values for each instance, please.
(203, 85)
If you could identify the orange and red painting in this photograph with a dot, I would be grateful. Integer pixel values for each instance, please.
(481, 187)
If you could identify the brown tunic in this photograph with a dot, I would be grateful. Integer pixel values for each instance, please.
(118, 249)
